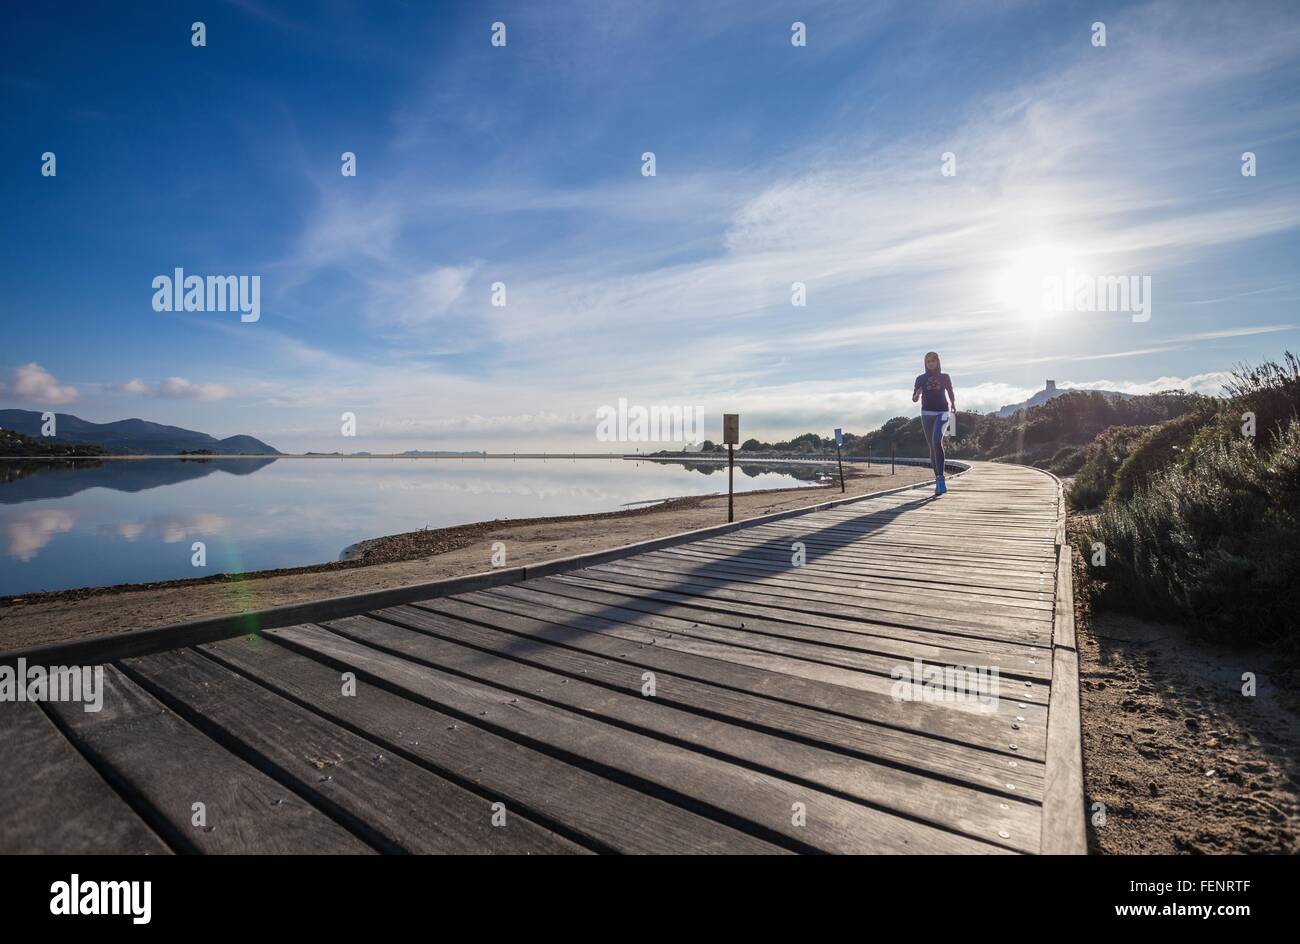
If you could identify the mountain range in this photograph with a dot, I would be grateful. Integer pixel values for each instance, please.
(132, 437)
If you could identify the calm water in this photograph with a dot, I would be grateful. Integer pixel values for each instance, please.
(130, 521)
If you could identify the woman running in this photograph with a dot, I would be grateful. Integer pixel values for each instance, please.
(934, 390)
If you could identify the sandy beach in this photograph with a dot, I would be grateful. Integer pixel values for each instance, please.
(397, 560)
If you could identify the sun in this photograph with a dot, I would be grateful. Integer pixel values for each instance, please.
(1022, 284)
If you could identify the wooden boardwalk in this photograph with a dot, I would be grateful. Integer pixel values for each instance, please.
(716, 695)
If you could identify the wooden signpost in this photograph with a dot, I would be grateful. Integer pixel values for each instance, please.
(731, 436)
(839, 441)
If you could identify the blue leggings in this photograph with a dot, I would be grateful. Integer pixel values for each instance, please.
(933, 426)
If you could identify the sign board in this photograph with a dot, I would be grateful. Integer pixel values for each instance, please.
(950, 424)
(839, 437)
(731, 429)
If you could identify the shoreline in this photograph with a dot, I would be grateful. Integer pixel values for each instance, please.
(399, 559)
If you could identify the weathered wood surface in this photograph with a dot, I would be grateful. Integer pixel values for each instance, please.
(742, 691)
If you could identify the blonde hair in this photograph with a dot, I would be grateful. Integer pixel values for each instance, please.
(937, 364)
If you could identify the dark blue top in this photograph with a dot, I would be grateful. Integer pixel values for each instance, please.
(933, 387)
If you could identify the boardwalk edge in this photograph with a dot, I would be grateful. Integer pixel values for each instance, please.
(1064, 801)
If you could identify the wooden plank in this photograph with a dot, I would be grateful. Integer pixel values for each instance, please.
(868, 700)
(394, 804)
(907, 581)
(973, 510)
(974, 515)
(601, 813)
(837, 568)
(911, 641)
(1063, 625)
(936, 547)
(876, 590)
(1064, 828)
(869, 739)
(574, 684)
(1064, 800)
(868, 653)
(862, 549)
(166, 766)
(1061, 512)
(54, 801)
(747, 637)
(843, 567)
(1031, 632)
(579, 561)
(995, 545)
(937, 555)
(982, 496)
(758, 802)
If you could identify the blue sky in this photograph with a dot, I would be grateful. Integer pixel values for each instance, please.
(522, 164)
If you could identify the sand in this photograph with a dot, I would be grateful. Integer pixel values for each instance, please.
(1181, 760)
(414, 557)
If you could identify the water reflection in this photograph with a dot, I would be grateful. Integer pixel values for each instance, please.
(27, 532)
(170, 529)
(806, 472)
(97, 522)
(24, 480)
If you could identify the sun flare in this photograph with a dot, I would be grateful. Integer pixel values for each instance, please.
(1021, 286)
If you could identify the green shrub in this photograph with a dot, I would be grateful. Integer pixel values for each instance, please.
(1067, 461)
(1162, 446)
(1211, 542)
(1101, 459)
(1271, 391)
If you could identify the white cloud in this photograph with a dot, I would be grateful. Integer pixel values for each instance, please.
(174, 388)
(344, 231)
(34, 383)
(1210, 384)
(420, 299)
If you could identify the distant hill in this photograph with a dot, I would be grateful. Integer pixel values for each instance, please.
(1050, 392)
(131, 437)
(13, 443)
(247, 445)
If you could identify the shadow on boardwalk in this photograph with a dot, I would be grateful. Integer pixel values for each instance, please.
(694, 581)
